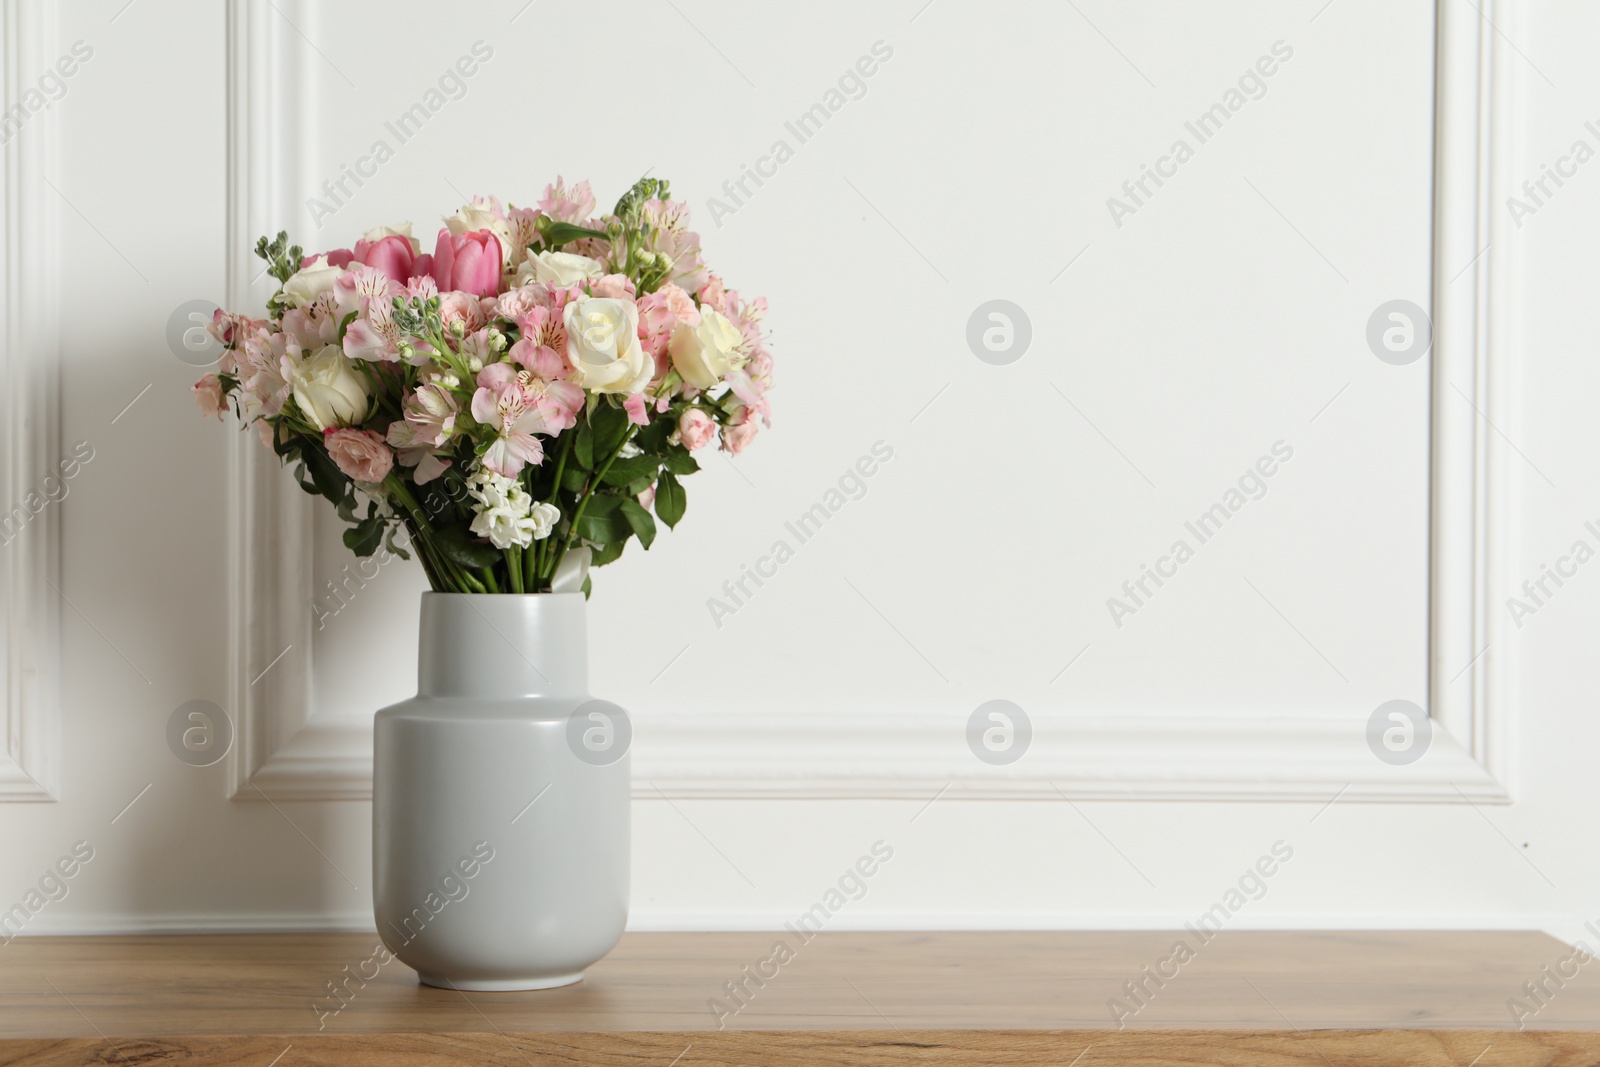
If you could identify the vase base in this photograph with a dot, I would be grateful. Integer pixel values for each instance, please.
(500, 985)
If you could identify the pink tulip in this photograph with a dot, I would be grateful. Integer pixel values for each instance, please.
(337, 257)
(392, 254)
(468, 263)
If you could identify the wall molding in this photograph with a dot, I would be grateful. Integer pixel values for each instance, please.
(271, 89)
(1474, 478)
(30, 758)
(285, 751)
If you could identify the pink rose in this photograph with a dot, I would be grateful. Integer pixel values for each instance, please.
(469, 263)
(394, 255)
(696, 429)
(458, 306)
(360, 454)
(739, 433)
(208, 395)
(615, 286)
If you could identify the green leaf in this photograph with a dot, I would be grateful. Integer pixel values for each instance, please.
(633, 469)
(304, 480)
(328, 478)
(610, 429)
(653, 438)
(572, 479)
(388, 542)
(602, 521)
(599, 557)
(679, 461)
(639, 520)
(560, 233)
(583, 445)
(459, 545)
(364, 538)
(670, 499)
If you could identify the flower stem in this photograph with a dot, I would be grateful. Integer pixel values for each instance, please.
(541, 550)
(514, 567)
(583, 502)
(442, 574)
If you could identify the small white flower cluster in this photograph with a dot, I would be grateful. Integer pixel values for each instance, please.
(507, 515)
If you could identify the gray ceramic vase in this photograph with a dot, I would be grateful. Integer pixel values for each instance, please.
(500, 800)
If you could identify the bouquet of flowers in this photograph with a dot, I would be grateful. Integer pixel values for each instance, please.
(522, 401)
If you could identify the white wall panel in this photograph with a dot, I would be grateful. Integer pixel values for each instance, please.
(1228, 312)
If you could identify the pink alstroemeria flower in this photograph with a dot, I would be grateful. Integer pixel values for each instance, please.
(374, 336)
(557, 401)
(638, 414)
(499, 404)
(356, 288)
(566, 205)
(543, 346)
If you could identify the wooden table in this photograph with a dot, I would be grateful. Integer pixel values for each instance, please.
(1324, 999)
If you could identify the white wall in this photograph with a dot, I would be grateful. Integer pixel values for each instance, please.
(1219, 318)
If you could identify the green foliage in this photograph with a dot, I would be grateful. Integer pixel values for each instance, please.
(283, 259)
(365, 536)
(557, 234)
(638, 520)
(644, 189)
(602, 520)
(680, 462)
(632, 470)
(461, 546)
(670, 499)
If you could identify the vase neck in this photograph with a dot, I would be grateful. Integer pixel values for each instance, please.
(503, 645)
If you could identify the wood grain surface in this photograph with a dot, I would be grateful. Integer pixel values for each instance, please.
(870, 998)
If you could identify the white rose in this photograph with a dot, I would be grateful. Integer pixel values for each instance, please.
(329, 389)
(378, 233)
(703, 354)
(308, 283)
(603, 346)
(561, 268)
(480, 215)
